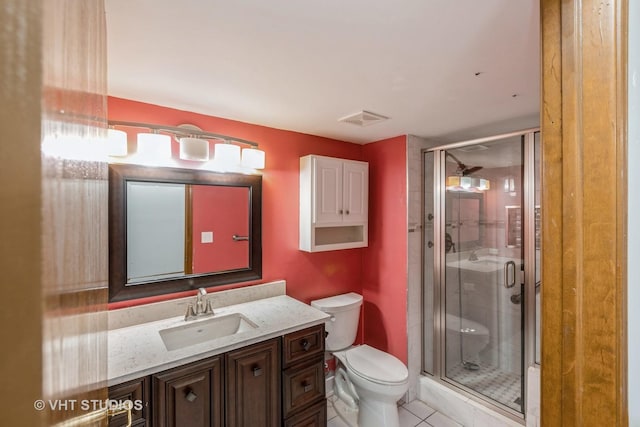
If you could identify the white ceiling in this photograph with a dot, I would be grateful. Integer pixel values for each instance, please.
(301, 65)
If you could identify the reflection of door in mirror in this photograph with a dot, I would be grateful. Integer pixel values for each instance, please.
(156, 232)
(219, 214)
(464, 215)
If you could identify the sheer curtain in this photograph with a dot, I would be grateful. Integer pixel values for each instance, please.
(74, 205)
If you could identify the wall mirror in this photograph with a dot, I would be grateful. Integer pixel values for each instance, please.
(465, 219)
(172, 230)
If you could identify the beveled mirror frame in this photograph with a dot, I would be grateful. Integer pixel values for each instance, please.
(119, 174)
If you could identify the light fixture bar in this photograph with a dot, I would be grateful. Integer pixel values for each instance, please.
(182, 132)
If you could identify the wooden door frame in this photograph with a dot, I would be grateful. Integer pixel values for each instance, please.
(584, 126)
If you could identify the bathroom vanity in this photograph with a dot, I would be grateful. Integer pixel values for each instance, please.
(270, 373)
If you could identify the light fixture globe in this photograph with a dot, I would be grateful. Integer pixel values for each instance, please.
(117, 143)
(154, 145)
(195, 149)
(227, 155)
(252, 158)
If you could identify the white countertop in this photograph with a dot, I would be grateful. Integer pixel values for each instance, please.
(138, 350)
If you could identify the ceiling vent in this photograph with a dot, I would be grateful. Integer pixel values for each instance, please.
(470, 148)
(363, 118)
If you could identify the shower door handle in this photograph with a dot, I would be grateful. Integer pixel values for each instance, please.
(509, 284)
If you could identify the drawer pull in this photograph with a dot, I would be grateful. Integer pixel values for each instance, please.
(307, 387)
(305, 344)
(257, 371)
(191, 396)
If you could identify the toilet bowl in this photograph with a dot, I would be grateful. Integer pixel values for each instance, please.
(366, 378)
(375, 380)
(472, 336)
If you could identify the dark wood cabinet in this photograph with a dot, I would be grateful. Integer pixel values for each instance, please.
(313, 416)
(191, 395)
(253, 385)
(137, 391)
(269, 384)
(303, 391)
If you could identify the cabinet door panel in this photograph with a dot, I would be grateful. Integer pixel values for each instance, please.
(253, 386)
(328, 189)
(136, 391)
(356, 192)
(189, 396)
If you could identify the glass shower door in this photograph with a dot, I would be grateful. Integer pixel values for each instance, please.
(482, 265)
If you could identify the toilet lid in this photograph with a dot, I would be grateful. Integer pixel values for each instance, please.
(375, 365)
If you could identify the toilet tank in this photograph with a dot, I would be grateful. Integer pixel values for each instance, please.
(342, 328)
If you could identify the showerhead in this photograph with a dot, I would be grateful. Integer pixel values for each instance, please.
(464, 170)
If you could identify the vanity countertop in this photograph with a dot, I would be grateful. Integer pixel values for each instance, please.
(138, 350)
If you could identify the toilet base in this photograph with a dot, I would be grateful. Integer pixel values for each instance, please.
(376, 414)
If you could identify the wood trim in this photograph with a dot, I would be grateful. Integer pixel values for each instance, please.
(584, 213)
(188, 229)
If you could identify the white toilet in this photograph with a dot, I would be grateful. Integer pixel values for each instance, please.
(368, 378)
(473, 337)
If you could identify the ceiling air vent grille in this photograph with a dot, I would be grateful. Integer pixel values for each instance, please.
(470, 148)
(363, 118)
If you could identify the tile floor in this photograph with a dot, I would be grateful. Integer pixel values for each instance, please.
(413, 414)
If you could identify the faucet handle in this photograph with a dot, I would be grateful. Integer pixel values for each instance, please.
(191, 312)
(209, 308)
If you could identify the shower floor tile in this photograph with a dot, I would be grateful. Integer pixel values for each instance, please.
(504, 387)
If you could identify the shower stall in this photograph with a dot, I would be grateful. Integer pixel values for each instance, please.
(481, 275)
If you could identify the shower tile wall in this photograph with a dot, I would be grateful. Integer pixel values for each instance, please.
(415, 145)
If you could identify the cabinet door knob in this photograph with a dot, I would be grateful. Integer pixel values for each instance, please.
(347, 212)
(305, 344)
(191, 396)
(257, 371)
(340, 211)
(306, 386)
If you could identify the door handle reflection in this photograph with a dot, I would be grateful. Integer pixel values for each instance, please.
(507, 283)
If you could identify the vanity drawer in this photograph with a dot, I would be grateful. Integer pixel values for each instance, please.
(302, 385)
(314, 416)
(304, 344)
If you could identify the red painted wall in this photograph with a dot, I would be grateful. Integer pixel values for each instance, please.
(223, 211)
(308, 276)
(384, 274)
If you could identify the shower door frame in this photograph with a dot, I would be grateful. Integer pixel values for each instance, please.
(529, 255)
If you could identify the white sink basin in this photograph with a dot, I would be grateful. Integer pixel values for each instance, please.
(199, 331)
(484, 264)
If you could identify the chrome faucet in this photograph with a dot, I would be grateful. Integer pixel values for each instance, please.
(202, 306)
(473, 256)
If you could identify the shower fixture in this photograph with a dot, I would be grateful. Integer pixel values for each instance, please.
(463, 170)
(462, 182)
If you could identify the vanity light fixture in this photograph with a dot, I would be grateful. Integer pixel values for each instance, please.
(467, 184)
(155, 145)
(252, 158)
(117, 143)
(195, 149)
(226, 155)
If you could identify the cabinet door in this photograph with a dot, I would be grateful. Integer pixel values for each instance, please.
(189, 396)
(253, 385)
(327, 177)
(137, 391)
(355, 192)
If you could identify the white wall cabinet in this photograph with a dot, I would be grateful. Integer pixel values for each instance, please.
(334, 195)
